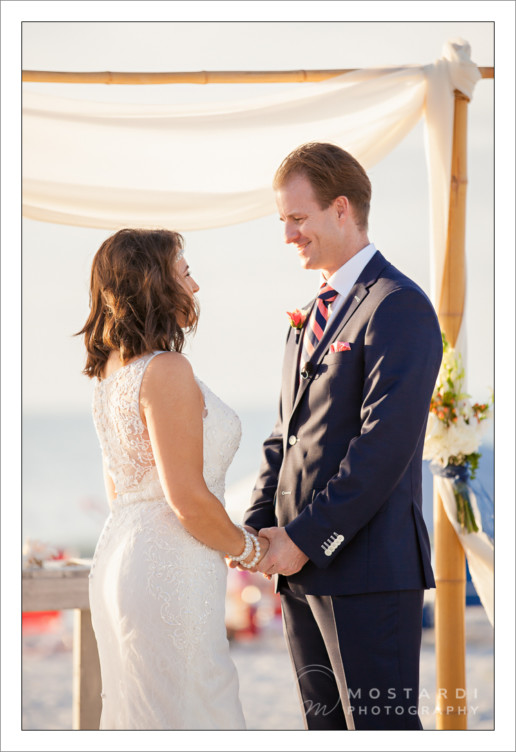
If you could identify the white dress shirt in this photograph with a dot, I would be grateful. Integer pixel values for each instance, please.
(344, 278)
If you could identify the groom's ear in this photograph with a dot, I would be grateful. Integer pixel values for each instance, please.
(342, 207)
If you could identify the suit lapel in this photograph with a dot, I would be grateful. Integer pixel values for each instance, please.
(294, 346)
(357, 295)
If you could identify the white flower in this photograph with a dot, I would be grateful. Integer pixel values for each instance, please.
(463, 438)
(443, 442)
(434, 438)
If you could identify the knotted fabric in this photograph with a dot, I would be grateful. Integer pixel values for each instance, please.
(317, 321)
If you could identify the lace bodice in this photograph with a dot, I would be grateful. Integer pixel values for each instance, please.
(125, 442)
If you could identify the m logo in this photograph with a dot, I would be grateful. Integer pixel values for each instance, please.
(312, 707)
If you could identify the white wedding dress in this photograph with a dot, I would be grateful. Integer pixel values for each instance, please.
(157, 594)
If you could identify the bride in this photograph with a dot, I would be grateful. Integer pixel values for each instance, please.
(158, 576)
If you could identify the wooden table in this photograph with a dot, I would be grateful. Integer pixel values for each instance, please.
(62, 585)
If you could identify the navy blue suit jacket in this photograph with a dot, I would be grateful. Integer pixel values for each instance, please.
(342, 468)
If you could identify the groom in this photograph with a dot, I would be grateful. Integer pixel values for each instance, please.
(339, 490)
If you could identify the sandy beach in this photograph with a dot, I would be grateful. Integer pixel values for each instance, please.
(265, 675)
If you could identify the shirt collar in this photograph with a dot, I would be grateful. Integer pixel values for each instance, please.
(345, 277)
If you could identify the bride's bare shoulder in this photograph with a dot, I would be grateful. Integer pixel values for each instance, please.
(169, 380)
(168, 367)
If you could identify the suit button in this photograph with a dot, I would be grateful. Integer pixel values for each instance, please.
(292, 440)
(328, 552)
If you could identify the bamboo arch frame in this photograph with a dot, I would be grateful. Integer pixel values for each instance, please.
(450, 568)
(192, 77)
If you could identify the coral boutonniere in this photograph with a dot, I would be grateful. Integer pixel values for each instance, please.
(297, 318)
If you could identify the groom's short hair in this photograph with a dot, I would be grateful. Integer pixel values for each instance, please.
(332, 172)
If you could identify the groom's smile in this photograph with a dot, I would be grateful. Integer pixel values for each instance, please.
(301, 247)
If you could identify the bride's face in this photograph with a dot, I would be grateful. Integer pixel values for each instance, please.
(187, 282)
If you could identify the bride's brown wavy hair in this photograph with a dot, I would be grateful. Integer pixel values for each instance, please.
(136, 298)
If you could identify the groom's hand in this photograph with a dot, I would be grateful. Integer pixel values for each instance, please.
(283, 556)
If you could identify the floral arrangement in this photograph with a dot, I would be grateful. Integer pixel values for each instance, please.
(454, 432)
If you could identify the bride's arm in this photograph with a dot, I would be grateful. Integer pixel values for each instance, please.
(172, 406)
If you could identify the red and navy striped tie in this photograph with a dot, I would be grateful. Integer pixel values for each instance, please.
(317, 322)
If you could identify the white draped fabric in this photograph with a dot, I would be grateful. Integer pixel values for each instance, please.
(478, 548)
(188, 167)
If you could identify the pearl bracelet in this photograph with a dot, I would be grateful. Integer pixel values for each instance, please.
(248, 547)
(257, 550)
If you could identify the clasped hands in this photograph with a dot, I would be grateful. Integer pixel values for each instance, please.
(282, 555)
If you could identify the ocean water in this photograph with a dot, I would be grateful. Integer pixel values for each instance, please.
(63, 498)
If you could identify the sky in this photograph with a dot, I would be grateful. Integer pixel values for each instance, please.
(243, 366)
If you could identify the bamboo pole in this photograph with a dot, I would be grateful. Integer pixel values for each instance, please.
(193, 77)
(450, 565)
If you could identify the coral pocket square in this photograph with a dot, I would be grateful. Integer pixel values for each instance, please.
(339, 347)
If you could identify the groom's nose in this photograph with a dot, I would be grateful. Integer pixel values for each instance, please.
(290, 233)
